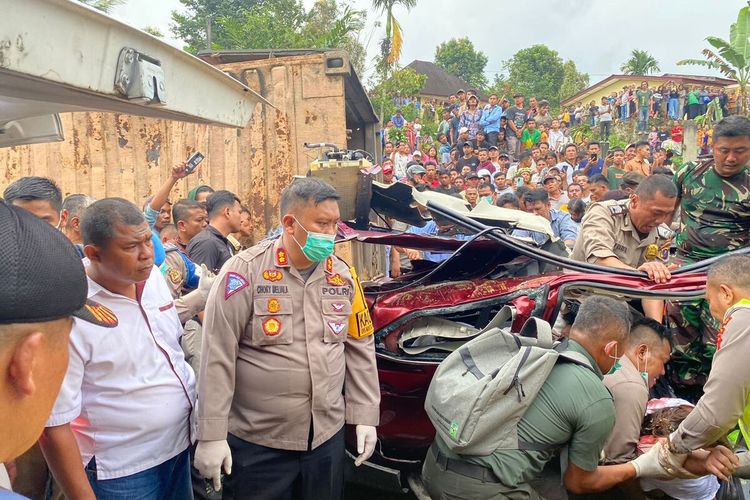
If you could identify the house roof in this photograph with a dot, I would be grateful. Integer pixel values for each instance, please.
(439, 82)
(713, 81)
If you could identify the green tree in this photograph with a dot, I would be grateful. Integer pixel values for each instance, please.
(573, 81)
(339, 34)
(536, 71)
(196, 23)
(640, 63)
(273, 24)
(733, 58)
(390, 46)
(460, 58)
(103, 5)
(405, 82)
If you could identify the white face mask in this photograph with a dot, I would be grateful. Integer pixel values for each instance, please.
(618, 362)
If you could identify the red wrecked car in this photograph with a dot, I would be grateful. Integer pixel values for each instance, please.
(425, 313)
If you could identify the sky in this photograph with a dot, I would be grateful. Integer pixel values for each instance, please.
(597, 35)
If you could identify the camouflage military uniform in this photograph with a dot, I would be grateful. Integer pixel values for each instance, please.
(715, 211)
(715, 219)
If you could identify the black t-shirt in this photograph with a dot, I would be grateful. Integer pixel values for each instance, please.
(517, 116)
(446, 190)
(210, 247)
(480, 145)
(663, 136)
(471, 161)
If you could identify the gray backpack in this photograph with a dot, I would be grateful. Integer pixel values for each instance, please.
(480, 391)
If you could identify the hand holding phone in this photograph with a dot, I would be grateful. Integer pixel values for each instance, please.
(193, 162)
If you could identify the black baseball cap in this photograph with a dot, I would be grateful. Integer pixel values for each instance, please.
(43, 276)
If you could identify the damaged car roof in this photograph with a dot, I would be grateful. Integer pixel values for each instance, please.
(399, 201)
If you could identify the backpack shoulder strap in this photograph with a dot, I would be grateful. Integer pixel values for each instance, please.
(540, 330)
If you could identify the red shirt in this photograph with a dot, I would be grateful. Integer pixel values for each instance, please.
(677, 133)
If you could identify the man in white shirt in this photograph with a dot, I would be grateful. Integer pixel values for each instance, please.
(43, 285)
(400, 159)
(567, 166)
(120, 427)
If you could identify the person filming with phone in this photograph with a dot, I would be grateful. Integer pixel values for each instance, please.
(594, 164)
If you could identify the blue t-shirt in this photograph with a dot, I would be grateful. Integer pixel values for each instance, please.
(595, 170)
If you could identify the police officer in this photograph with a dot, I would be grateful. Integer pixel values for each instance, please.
(288, 358)
(725, 404)
(628, 234)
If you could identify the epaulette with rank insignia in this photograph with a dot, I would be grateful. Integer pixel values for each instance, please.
(618, 209)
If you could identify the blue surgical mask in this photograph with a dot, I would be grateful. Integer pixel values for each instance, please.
(488, 199)
(318, 246)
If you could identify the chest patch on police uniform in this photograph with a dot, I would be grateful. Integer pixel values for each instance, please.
(273, 275)
(336, 327)
(338, 306)
(620, 248)
(274, 306)
(234, 283)
(271, 327)
(335, 280)
(652, 252)
(174, 276)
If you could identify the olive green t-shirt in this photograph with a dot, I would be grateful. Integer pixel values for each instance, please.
(614, 177)
(573, 407)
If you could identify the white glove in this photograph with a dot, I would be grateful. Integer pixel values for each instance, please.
(206, 281)
(660, 463)
(366, 439)
(647, 465)
(210, 456)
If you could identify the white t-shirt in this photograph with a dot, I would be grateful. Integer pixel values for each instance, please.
(606, 113)
(556, 140)
(128, 394)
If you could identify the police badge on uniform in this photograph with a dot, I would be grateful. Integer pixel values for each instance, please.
(652, 252)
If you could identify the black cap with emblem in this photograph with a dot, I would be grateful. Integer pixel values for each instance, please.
(43, 277)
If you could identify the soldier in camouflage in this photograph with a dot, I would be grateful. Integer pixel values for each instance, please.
(715, 219)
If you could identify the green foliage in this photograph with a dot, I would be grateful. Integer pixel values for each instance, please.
(733, 58)
(460, 58)
(271, 24)
(405, 82)
(430, 129)
(536, 71)
(713, 115)
(103, 5)
(396, 135)
(640, 63)
(573, 81)
(192, 23)
(153, 30)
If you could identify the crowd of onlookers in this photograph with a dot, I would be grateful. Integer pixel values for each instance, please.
(571, 178)
(516, 127)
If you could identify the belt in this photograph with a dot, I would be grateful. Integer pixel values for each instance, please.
(463, 468)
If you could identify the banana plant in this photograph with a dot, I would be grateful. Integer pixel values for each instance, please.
(713, 114)
(731, 58)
